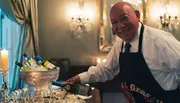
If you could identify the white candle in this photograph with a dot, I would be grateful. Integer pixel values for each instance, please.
(4, 59)
(98, 60)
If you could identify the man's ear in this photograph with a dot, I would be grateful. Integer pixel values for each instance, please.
(137, 14)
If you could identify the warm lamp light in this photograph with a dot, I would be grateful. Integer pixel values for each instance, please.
(168, 18)
(134, 2)
(98, 60)
(101, 60)
(79, 23)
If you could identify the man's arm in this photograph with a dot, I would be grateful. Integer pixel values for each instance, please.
(102, 71)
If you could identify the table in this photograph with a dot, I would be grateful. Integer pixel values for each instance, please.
(95, 97)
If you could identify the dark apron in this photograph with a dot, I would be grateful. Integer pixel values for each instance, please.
(137, 82)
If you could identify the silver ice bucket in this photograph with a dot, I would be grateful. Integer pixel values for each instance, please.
(39, 79)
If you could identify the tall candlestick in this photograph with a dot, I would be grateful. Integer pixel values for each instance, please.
(4, 59)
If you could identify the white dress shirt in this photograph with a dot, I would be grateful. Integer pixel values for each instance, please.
(161, 52)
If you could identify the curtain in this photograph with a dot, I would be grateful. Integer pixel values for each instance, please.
(24, 12)
(9, 32)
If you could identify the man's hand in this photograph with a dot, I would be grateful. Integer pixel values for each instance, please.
(74, 80)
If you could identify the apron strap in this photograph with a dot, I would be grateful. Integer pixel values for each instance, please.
(140, 38)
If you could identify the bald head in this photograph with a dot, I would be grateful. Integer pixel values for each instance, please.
(121, 5)
(125, 20)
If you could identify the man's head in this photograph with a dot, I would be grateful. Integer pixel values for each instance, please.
(125, 20)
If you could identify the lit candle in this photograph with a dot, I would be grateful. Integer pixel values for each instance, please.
(4, 59)
(98, 60)
(104, 60)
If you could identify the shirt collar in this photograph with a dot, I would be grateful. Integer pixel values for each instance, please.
(134, 43)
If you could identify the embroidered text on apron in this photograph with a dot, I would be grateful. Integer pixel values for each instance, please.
(137, 82)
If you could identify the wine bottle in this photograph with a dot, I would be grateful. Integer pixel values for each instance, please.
(46, 64)
(30, 61)
(49, 65)
(24, 67)
(26, 57)
(74, 88)
(39, 61)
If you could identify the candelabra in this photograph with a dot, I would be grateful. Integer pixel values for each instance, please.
(165, 21)
(4, 88)
(168, 23)
(168, 19)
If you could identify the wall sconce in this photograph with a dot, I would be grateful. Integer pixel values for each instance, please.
(79, 23)
(135, 2)
(168, 18)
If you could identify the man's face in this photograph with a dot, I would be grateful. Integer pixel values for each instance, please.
(124, 21)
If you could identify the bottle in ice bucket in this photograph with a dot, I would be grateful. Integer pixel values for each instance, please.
(23, 67)
(39, 61)
(46, 64)
(74, 88)
(30, 61)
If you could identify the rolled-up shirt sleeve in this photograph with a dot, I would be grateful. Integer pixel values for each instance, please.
(173, 55)
(104, 71)
(169, 57)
